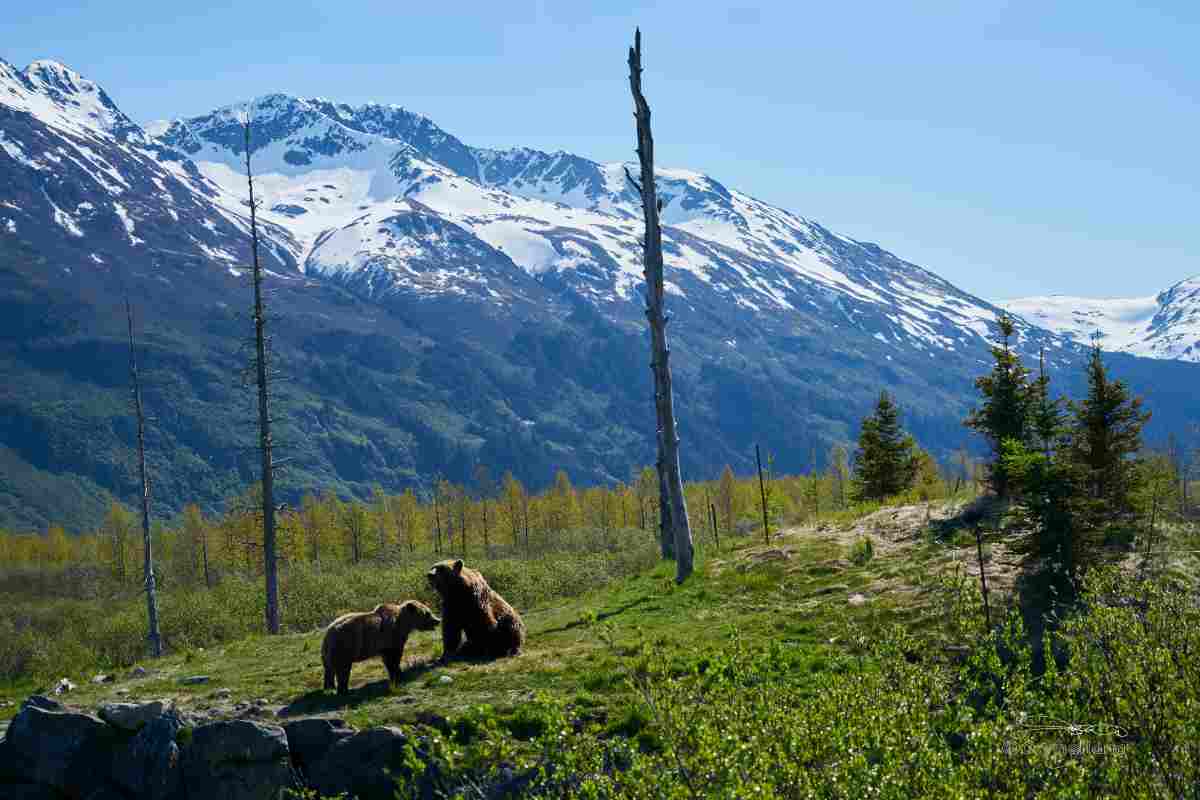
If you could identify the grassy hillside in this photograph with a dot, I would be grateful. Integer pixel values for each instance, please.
(813, 666)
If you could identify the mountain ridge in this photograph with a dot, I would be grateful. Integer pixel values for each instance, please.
(1165, 325)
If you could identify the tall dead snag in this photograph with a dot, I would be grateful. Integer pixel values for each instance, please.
(762, 490)
(666, 531)
(664, 400)
(147, 544)
(270, 566)
(987, 610)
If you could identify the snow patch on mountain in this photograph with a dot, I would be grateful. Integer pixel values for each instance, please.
(61, 97)
(1166, 325)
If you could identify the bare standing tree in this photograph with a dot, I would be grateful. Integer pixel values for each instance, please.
(147, 543)
(664, 400)
(270, 566)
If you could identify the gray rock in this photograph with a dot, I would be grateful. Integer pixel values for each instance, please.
(222, 694)
(137, 672)
(194, 679)
(148, 765)
(43, 702)
(66, 750)
(367, 766)
(103, 679)
(857, 599)
(310, 739)
(238, 760)
(130, 716)
(28, 791)
(63, 686)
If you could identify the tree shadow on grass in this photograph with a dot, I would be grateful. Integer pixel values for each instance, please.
(319, 701)
(603, 615)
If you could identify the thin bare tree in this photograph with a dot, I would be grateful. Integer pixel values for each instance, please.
(147, 542)
(265, 443)
(664, 400)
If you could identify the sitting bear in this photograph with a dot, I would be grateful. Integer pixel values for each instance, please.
(469, 606)
(360, 635)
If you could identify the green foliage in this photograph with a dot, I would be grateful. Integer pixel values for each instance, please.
(862, 551)
(1106, 432)
(1114, 716)
(884, 462)
(1050, 490)
(1004, 413)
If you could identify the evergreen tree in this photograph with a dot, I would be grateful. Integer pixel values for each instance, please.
(1047, 419)
(1004, 414)
(883, 463)
(1106, 432)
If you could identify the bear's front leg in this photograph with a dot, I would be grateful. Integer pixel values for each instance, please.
(391, 660)
(451, 637)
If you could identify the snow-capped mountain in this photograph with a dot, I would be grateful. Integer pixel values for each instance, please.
(81, 176)
(335, 175)
(1166, 325)
(439, 306)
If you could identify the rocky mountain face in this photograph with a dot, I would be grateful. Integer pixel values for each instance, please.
(437, 306)
(1166, 325)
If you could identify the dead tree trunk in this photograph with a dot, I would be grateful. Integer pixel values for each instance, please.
(712, 510)
(664, 400)
(265, 444)
(204, 555)
(762, 490)
(666, 533)
(147, 543)
(987, 611)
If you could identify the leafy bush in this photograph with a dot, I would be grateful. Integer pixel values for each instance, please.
(1114, 716)
(862, 551)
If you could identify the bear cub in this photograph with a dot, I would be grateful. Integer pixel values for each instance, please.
(469, 606)
(360, 635)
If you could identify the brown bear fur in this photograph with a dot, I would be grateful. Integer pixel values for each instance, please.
(360, 635)
(469, 606)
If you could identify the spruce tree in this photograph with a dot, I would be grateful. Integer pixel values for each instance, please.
(1047, 419)
(1004, 414)
(1106, 431)
(883, 464)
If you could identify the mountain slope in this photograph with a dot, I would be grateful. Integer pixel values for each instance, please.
(437, 306)
(1166, 325)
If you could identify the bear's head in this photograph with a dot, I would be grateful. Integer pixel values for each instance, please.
(444, 576)
(417, 617)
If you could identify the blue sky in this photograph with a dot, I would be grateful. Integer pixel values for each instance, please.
(1015, 148)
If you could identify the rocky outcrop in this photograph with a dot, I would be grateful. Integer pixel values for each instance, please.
(239, 760)
(367, 765)
(148, 766)
(154, 751)
(62, 750)
(310, 739)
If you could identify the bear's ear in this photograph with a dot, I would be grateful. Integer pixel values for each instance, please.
(458, 565)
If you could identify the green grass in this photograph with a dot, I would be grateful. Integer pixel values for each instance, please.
(577, 645)
(756, 671)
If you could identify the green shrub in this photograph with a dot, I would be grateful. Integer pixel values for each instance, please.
(1117, 718)
(862, 551)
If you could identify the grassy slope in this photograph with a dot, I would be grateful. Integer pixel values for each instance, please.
(795, 591)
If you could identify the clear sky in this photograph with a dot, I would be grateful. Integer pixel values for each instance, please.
(1015, 148)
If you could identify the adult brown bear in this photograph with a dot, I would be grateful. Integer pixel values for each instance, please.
(469, 606)
(360, 635)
